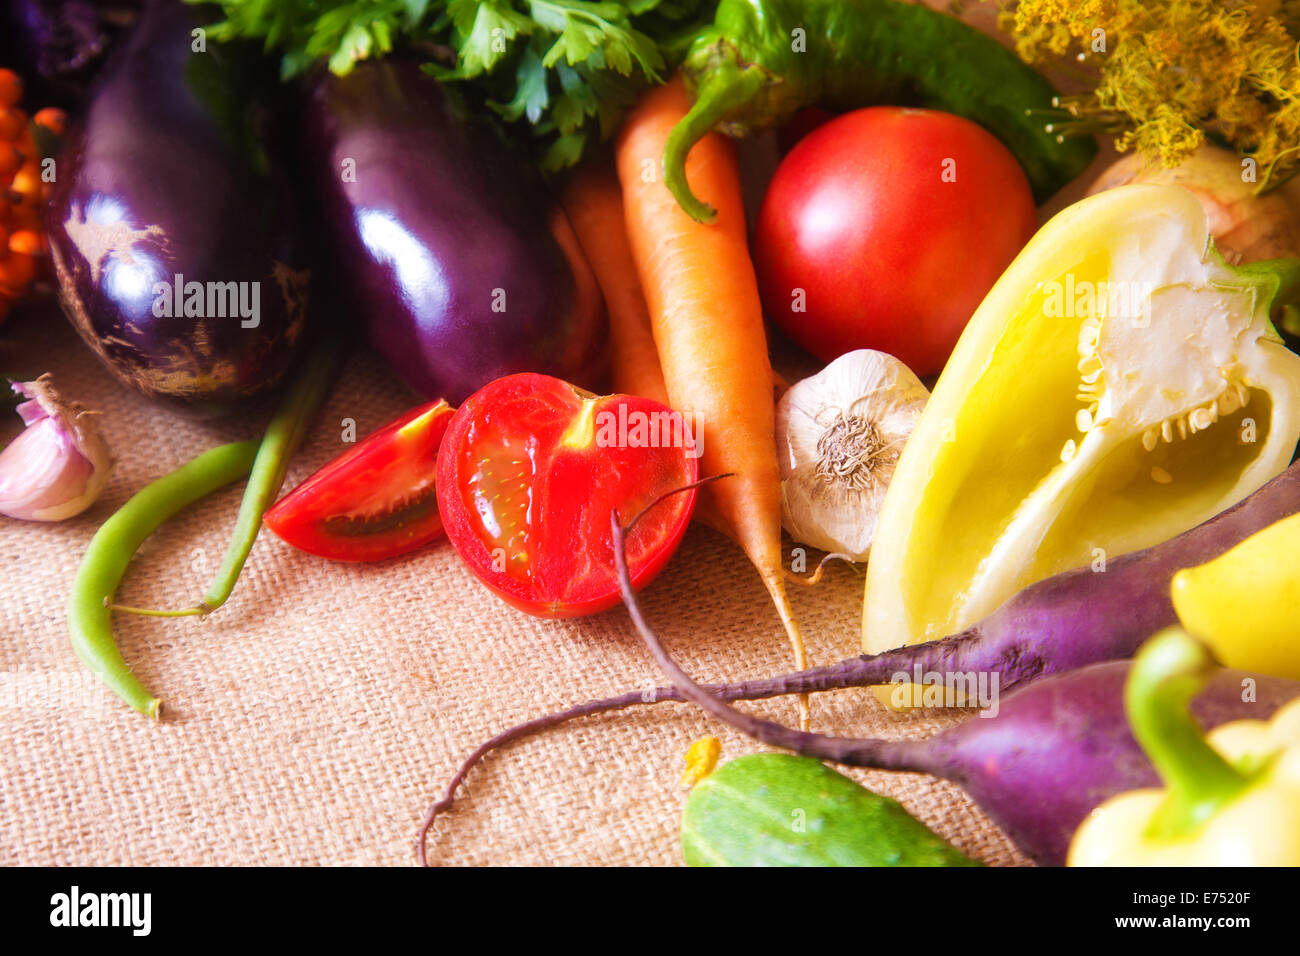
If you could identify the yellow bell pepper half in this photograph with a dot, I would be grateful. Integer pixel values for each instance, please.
(1119, 385)
(1232, 797)
(1246, 602)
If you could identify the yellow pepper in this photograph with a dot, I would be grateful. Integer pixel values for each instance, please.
(1232, 797)
(1118, 385)
(1246, 603)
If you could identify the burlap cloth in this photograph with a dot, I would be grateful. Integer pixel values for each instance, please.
(313, 719)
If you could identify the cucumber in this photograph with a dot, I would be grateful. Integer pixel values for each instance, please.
(781, 810)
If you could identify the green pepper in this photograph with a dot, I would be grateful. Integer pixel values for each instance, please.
(782, 810)
(762, 60)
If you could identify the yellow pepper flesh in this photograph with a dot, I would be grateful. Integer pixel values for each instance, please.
(1259, 828)
(1119, 385)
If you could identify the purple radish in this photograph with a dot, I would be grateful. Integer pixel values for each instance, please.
(1061, 746)
(1077, 618)
(1055, 750)
(1084, 616)
(1064, 622)
(1061, 623)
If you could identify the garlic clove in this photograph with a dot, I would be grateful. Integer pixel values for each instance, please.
(59, 465)
(839, 434)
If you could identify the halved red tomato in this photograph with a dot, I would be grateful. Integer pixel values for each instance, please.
(531, 469)
(376, 500)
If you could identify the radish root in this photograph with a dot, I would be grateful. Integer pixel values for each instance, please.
(816, 577)
(854, 672)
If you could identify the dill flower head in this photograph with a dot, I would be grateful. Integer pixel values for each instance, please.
(1170, 72)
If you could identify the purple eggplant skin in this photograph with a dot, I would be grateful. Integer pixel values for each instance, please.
(169, 175)
(457, 263)
(1062, 746)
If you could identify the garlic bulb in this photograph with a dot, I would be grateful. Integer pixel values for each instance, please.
(58, 466)
(839, 435)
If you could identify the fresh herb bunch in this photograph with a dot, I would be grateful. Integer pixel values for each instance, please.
(1175, 71)
(558, 72)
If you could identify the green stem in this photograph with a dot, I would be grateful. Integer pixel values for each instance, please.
(283, 436)
(1280, 276)
(1168, 672)
(726, 88)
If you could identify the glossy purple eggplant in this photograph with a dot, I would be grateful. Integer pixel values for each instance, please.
(456, 262)
(172, 230)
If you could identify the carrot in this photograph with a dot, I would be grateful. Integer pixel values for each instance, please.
(707, 320)
(593, 201)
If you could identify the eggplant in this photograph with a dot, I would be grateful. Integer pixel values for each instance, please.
(172, 227)
(459, 266)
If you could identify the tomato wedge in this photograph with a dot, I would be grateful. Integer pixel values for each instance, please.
(376, 500)
(530, 470)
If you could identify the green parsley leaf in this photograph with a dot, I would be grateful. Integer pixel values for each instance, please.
(558, 74)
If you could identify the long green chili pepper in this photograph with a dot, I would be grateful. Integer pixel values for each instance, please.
(110, 551)
(283, 436)
(762, 60)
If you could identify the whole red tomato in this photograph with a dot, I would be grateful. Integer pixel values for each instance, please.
(884, 228)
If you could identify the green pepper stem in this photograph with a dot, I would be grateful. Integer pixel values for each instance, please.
(724, 89)
(1168, 672)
